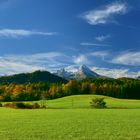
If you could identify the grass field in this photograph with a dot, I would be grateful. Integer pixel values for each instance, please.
(83, 101)
(74, 120)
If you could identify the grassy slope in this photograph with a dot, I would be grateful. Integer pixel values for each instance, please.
(72, 124)
(83, 101)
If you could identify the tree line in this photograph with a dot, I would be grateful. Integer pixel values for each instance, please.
(124, 88)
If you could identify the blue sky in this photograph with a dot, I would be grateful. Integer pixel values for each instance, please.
(52, 34)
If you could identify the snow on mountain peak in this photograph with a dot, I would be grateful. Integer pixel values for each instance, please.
(82, 72)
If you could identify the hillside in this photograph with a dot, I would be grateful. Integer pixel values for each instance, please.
(83, 101)
(34, 77)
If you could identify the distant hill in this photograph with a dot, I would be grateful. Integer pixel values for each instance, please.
(34, 77)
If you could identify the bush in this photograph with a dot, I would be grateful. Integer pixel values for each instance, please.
(98, 103)
(21, 105)
(11, 105)
(36, 105)
(0, 104)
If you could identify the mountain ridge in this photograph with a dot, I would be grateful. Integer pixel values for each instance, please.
(34, 77)
(82, 72)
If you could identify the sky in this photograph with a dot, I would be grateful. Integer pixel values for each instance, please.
(55, 34)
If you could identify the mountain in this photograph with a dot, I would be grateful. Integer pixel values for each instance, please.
(34, 77)
(65, 74)
(138, 77)
(82, 72)
(85, 72)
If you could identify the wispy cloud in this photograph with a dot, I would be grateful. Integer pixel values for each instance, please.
(108, 72)
(94, 44)
(105, 14)
(11, 64)
(102, 38)
(8, 67)
(52, 61)
(115, 73)
(127, 58)
(81, 59)
(101, 54)
(15, 33)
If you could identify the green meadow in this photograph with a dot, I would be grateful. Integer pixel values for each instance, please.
(72, 118)
(83, 101)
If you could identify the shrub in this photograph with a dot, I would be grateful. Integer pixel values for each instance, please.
(19, 105)
(22, 105)
(98, 103)
(11, 105)
(36, 105)
(0, 104)
(44, 106)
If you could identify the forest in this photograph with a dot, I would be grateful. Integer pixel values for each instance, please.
(123, 88)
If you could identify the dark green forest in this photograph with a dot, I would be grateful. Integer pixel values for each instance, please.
(43, 85)
(34, 77)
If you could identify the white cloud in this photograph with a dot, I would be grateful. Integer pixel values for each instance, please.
(127, 58)
(101, 54)
(81, 59)
(138, 73)
(12, 67)
(105, 14)
(52, 61)
(115, 73)
(11, 64)
(15, 33)
(72, 68)
(102, 38)
(39, 59)
(108, 72)
(94, 44)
